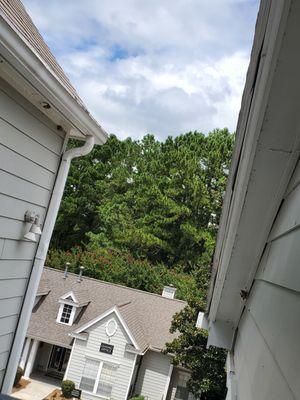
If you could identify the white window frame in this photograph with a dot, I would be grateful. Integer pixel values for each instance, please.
(101, 363)
(60, 311)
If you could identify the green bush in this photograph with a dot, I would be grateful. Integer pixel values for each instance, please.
(67, 387)
(138, 397)
(18, 376)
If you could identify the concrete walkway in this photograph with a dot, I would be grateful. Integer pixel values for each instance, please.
(38, 388)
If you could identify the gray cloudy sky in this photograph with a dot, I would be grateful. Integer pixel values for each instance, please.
(153, 66)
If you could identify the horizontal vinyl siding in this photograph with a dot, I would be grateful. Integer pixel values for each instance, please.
(10, 306)
(123, 359)
(267, 348)
(30, 148)
(153, 374)
(25, 168)
(17, 188)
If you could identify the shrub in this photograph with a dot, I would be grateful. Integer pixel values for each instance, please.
(138, 397)
(67, 387)
(18, 376)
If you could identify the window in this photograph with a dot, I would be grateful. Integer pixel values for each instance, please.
(106, 380)
(89, 375)
(66, 314)
(181, 390)
(98, 377)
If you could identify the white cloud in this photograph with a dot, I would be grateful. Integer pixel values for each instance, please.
(158, 67)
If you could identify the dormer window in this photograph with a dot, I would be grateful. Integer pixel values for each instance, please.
(69, 307)
(66, 314)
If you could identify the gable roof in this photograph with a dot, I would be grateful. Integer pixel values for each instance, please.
(15, 14)
(148, 316)
(113, 310)
(28, 64)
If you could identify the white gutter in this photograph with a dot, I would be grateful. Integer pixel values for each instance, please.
(39, 260)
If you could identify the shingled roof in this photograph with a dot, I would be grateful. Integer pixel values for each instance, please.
(147, 315)
(16, 16)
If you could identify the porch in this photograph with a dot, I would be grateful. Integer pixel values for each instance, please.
(42, 358)
(39, 387)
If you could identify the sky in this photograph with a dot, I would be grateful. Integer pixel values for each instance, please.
(163, 67)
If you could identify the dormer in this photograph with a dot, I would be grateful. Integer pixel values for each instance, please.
(69, 308)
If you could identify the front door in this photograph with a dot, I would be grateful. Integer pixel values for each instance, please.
(58, 361)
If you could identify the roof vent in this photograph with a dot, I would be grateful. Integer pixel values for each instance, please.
(79, 279)
(169, 292)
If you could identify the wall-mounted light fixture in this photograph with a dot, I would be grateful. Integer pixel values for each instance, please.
(35, 228)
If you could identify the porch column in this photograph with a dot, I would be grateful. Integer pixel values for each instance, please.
(31, 358)
(25, 353)
(168, 381)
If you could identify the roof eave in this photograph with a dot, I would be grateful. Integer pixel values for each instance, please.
(260, 172)
(24, 69)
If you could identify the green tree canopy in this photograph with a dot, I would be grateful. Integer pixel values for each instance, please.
(157, 200)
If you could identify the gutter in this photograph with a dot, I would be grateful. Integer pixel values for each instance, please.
(39, 260)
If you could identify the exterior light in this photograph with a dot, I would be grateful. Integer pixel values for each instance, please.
(30, 236)
(35, 228)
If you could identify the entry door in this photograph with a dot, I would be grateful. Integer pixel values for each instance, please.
(58, 361)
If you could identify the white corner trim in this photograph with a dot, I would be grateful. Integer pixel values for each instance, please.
(69, 362)
(168, 381)
(130, 378)
(102, 316)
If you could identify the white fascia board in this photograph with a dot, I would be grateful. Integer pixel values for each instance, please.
(71, 293)
(113, 310)
(25, 69)
(265, 163)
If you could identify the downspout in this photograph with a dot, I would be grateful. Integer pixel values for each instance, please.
(39, 260)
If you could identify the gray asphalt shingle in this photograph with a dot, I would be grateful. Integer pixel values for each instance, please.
(147, 315)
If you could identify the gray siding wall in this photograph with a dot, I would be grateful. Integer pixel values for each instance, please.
(90, 349)
(30, 148)
(153, 375)
(267, 348)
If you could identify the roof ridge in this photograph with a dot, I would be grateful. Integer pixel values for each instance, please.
(118, 285)
(124, 304)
